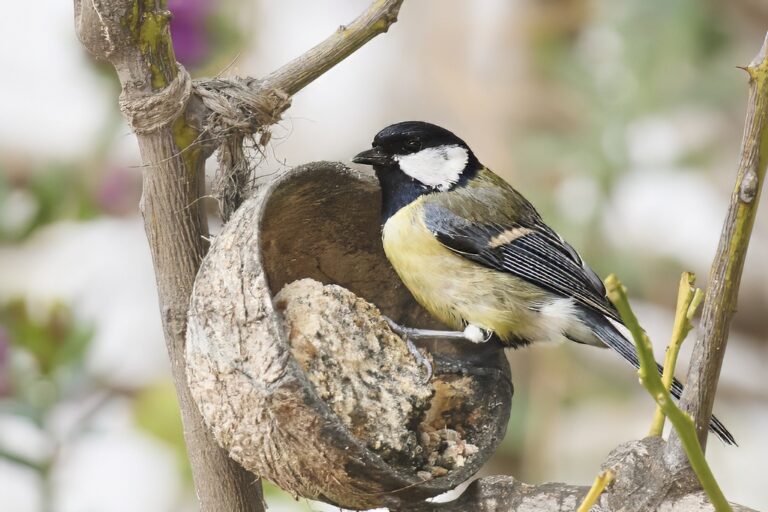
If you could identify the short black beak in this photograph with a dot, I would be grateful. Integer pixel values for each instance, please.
(373, 156)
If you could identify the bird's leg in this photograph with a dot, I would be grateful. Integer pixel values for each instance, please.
(447, 366)
(410, 333)
(419, 334)
(471, 333)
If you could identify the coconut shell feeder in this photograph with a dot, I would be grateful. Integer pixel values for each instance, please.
(297, 373)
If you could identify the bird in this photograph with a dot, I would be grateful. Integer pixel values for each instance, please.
(478, 256)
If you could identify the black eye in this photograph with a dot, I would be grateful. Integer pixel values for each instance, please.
(412, 145)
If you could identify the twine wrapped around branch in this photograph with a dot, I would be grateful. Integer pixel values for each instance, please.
(237, 109)
(239, 106)
(148, 112)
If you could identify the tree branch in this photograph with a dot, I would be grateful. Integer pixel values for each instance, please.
(688, 300)
(602, 481)
(297, 74)
(642, 483)
(725, 275)
(169, 118)
(134, 36)
(240, 107)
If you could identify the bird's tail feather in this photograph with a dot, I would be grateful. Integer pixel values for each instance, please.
(611, 336)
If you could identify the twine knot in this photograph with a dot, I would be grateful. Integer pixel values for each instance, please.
(237, 109)
(149, 112)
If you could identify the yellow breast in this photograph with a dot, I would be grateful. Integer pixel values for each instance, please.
(452, 288)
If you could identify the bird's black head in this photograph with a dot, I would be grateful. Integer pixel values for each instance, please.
(414, 158)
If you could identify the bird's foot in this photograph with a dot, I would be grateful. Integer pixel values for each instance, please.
(409, 333)
(420, 358)
(471, 333)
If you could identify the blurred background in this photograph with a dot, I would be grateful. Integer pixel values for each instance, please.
(620, 120)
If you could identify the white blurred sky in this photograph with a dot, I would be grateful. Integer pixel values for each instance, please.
(48, 93)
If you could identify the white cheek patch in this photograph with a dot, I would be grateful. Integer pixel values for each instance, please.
(438, 167)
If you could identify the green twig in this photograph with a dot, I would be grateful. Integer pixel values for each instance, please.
(602, 481)
(649, 377)
(22, 461)
(688, 300)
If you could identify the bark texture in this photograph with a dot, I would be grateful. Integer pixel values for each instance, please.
(643, 483)
(118, 31)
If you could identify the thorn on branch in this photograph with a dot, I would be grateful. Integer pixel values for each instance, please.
(748, 187)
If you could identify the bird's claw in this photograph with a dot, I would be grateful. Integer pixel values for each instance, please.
(404, 333)
(420, 358)
(396, 327)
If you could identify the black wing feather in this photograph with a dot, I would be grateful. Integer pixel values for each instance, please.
(538, 256)
(541, 257)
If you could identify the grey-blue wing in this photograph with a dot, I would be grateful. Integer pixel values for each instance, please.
(529, 250)
(532, 251)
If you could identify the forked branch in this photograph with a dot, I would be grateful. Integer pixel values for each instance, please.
(170, 118)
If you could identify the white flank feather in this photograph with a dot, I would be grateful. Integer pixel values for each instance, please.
(557, 318)
(475, 334)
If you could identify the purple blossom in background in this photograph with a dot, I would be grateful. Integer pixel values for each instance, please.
(5, 362)
(119, 191)
(189, 31)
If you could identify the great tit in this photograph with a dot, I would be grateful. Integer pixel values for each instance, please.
(478, 256)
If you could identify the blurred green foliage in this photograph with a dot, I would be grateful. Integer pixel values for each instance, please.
(46, 354)
(37, 198)
(54, 339)
(156, 411)
(604, 65)
(619, 61)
